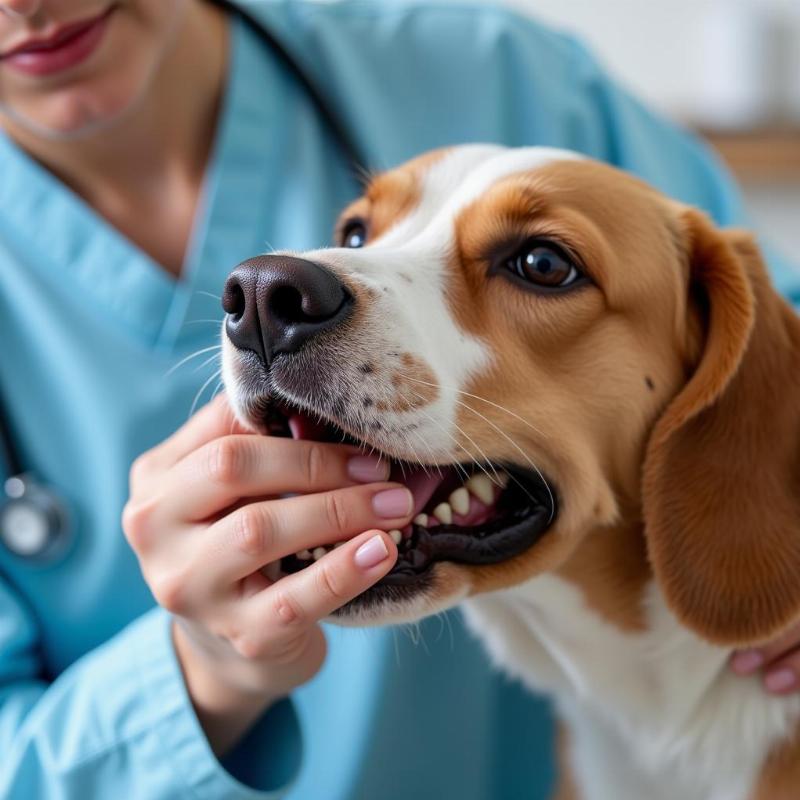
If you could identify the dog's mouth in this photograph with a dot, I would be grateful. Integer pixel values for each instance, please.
(475, 514)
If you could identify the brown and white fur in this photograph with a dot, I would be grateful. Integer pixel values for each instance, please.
(661, 398)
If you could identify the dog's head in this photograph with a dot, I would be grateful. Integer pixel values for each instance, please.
(543, 346)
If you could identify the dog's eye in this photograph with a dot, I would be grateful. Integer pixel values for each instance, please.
(354, 234)
(544, 264)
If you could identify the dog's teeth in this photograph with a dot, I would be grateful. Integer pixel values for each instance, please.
(443, 513)
(481, 486)
(318, 553)
(459, 501)
(304, 555)
(421, 519)
(338, 544)
(397, 536)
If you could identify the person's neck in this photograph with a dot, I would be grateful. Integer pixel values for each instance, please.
(165, 140)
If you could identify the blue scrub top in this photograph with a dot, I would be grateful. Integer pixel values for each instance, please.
(92, 703)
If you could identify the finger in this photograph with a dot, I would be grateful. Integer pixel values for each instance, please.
(258, 534)
(233, 467)
(783, 675)
(308, 596)
(214, 420)
(746, 662)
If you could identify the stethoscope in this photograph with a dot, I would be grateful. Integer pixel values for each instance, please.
(35, 522)
(34, 519)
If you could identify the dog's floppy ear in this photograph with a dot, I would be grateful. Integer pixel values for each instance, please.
(721, 484)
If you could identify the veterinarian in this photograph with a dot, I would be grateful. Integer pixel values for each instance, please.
(147, 147)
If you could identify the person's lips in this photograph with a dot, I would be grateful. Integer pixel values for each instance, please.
(66, 47)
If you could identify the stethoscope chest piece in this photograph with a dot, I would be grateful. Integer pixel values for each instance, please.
(33, 522)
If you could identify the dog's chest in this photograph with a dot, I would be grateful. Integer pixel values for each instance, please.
(656, 710)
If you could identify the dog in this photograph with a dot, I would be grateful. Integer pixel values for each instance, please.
(594, 395)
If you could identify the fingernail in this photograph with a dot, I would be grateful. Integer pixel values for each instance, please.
(367, 469)
(393, 503)
(371, 553)
(780, 680)
(747, 662)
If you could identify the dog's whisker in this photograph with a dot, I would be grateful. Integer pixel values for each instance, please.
(199, 394)
(209, 294)
(422, 465)
(208, 361)
(363, 175)
(415, 456)
(415, 633)
(522, 453)
(507, 437)
(218, 388)
(190, 357)
(483, 400)
(203, 322)
(482, 466)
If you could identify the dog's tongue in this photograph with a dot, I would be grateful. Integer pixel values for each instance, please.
(303, 427)
(421, 483)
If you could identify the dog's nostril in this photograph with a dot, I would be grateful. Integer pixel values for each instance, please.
(233, 299)
(292, 304)
(286, 304)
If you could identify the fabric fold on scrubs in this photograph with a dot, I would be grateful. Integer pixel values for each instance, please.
(121, 717)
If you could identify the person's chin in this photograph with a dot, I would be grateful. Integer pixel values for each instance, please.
(75, 111)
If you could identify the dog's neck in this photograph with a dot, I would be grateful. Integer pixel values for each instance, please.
(611, 570)
(582, 628)
(598, 635)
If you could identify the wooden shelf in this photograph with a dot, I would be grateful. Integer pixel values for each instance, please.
(769, 154)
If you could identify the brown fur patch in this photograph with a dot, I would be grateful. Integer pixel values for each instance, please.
(611, 569)
(415, 386)
(780, 778)
(566, 789)
(723, 465)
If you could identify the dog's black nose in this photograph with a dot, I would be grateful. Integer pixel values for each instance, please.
(275, 304)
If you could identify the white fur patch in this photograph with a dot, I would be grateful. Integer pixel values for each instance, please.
(655, 715)
(460, 178)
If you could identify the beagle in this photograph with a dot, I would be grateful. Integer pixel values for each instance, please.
(594, 396)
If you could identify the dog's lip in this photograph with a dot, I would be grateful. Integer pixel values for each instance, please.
(526, 521)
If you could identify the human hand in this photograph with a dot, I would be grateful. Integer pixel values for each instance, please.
(779, 660)
(203, 531)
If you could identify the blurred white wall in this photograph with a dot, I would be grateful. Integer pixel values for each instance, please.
(738, 59)
(723, 64)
